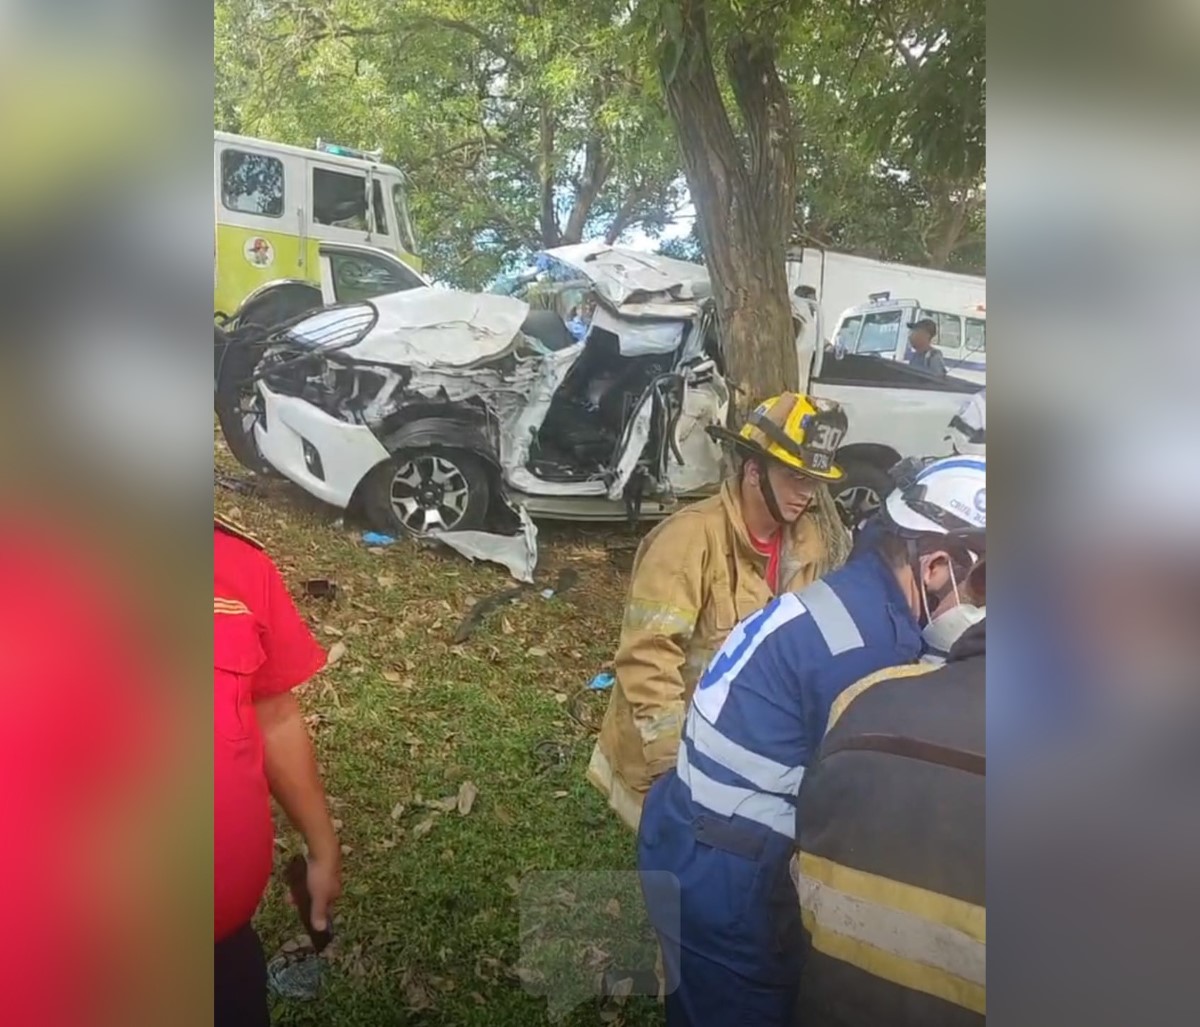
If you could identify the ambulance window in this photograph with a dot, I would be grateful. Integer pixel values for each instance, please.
(881, 332)
(381, 221)
(252, 183)
(950, 331)
(976, 335)
(847, 333)
(340, 199)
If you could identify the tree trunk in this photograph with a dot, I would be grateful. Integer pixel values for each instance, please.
(549, 220)
(744, 202)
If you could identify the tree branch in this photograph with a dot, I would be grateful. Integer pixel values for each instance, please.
(485, 39)
(596, 168)
(624, 216)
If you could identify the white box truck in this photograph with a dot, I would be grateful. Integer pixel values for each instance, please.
(842, 281)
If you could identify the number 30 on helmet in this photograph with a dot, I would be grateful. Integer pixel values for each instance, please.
(797, 432)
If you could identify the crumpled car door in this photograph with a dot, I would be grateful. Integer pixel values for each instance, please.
(684, 404)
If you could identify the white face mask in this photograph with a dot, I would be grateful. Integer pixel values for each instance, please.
(944, 630)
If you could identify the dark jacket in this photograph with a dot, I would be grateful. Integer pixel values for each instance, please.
(890, 868)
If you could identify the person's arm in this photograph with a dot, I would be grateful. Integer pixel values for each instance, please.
(665, 597)
(937, 363)
(295, 782)
(292, 657)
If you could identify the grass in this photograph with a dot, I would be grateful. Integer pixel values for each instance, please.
(429, 929)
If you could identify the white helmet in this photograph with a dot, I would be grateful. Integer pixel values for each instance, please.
(967, 433)
(943, 498)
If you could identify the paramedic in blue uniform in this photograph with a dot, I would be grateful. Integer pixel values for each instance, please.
(717, 832)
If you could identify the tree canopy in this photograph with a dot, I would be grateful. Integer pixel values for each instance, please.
(522, 124)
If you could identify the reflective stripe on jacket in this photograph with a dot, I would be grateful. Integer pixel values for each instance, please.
(890, 869)
(695, 577)
(759, 712)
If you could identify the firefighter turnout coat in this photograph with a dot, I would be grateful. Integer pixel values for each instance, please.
(695, 577)
(890, 867)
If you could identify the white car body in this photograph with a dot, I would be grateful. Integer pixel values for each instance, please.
(363, 366)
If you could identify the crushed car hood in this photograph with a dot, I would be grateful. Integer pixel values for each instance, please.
(637, 284)
(431, 327)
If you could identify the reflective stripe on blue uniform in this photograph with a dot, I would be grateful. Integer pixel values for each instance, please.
(723, 821)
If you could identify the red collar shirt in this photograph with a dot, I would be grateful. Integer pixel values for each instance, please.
(261, 648)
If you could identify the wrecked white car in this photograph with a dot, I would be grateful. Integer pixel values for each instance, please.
(440, 412)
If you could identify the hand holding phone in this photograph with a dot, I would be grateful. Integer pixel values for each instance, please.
(296, 875)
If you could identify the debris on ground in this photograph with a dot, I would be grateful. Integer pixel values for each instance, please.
(568, 577)
(245, 486)
(375, 538)
(517, 553)
(320, 588)
(481, 609)
(296, 973)
(602, 681)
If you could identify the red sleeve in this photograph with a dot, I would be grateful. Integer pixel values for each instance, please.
(292, 654)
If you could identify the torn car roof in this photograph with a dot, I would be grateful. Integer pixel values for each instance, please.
(637, 284)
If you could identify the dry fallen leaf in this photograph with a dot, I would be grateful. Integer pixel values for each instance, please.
(621, 990)
(560, 795)
(506, 626)
(537, 652)
(346, 850)
(444, 804)
(329, 629)
(392, 676)
(337, 824)
(336, 652)
(560, 697)
(385, 581)
(467, 793)
(514, 885)
(416, 992)
(398, 811)
(613, 909)
(235, 513)
(423, 828)
(527, 975)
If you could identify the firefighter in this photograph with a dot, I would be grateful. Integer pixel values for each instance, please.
(717, 833)
(772, 528)
(890, 871)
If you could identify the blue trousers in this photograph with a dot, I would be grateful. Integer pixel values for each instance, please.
(727, 917)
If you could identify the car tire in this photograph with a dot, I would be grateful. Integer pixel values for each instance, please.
(861, 492)
(235, 363)
(454, 482)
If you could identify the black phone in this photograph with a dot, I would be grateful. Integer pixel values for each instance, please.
(296, 875)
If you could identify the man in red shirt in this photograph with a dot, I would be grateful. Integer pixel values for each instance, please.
(261, 651)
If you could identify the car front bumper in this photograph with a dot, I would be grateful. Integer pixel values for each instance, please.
(293, 430)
